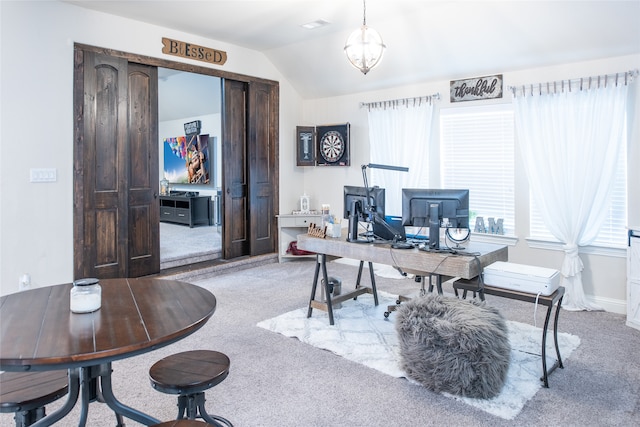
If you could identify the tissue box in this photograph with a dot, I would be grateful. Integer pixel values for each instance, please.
(524, 278)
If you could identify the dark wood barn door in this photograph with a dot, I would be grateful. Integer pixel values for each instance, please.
(263, 169)
(235, 178)
(116, 168)
(250, 170)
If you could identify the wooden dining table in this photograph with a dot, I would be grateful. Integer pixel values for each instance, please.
(38, 332)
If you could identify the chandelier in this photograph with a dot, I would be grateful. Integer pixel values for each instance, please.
(364, 47)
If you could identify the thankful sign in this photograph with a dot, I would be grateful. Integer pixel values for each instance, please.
(488, 87)
(193, 51)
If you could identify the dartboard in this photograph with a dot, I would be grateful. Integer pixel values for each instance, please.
(332, 146)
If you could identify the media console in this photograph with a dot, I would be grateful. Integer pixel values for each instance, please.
(183, 209)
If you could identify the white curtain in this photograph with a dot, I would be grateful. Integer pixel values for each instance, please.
(399, 136)
(570, 139)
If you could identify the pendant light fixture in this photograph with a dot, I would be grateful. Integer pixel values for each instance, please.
(364, 47)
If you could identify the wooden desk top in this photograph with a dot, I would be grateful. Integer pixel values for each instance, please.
(409, 260)
(39, 332)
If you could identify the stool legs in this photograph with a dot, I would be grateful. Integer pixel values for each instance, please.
(192, 406)
(26, 418)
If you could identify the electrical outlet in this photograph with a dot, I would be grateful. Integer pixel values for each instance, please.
(24, 283)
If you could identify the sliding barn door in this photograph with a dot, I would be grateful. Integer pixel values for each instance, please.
(115, 168)
(143, 207)
(263, 170)
(250, 170)
(235, 180)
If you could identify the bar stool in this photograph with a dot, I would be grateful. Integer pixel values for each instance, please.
(189, 374)
(183, 423)
(27, 393)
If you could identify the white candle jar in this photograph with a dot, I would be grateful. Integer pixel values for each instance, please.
(85, 296)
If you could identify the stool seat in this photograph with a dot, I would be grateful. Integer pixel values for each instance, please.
(189, 374)
(183, 423)
(27, 393)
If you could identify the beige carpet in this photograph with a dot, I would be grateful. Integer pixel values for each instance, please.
(180, 244)
(276, 381)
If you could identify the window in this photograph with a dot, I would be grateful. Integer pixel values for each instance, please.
(613, 233)
(477, 152)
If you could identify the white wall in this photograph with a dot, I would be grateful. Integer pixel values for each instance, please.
(604, 276)
(36, 124)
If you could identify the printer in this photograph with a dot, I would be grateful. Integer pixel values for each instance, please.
(523, 278)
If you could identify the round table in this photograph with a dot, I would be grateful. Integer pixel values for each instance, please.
(39, 332)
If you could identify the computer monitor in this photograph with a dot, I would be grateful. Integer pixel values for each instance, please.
(357, 210)
(355, 202)
(434, 208)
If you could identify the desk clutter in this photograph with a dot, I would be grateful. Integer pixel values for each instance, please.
(316, 231)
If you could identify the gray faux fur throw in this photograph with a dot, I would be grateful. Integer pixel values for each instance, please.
(453, 345)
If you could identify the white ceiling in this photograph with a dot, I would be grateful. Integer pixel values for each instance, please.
(426, 40)
(183, 95)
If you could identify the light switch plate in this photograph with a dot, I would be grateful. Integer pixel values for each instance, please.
(43, 175)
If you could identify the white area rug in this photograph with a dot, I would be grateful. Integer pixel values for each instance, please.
(362, 334)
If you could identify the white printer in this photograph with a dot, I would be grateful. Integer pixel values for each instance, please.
(524, 278)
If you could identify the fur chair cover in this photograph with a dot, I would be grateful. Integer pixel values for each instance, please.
(455, 346)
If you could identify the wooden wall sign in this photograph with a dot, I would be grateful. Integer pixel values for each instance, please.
(489, 87)
(193, 51)
(192, 128)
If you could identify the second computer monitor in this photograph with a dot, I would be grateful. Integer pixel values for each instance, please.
(433, 208)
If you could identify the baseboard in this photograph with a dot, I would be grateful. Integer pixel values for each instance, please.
(609, 304)
(207, 269)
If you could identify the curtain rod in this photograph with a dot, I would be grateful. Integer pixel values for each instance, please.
(394, 103)
(574, 84)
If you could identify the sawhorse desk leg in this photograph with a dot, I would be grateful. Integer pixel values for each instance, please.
(321, 265)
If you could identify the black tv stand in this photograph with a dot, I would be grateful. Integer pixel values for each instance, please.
(185, 209)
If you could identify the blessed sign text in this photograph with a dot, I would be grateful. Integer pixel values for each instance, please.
(193, 51)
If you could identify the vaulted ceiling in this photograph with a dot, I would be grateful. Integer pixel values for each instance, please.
(426, 40)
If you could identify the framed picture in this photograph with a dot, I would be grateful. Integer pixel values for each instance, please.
(186, 159)
(305, 146)
(332, 145)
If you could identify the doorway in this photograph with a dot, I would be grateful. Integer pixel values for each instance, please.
(117, 170)
(186, 97)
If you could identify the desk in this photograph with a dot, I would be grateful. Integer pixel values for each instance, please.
(547, 300)
(39, 332)
(413, 261)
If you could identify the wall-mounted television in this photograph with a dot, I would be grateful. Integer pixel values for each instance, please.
(187, 159)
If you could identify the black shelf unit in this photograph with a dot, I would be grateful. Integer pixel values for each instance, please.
(183, 209)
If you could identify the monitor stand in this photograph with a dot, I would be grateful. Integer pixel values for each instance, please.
(434, 226)
(352, 234)
(401, 245)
